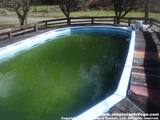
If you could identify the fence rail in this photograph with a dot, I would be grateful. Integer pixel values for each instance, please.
(109, 20)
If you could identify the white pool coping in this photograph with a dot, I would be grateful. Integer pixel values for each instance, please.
(102, 107)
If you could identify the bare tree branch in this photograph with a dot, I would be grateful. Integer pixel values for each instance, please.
(68, 5)
(21, 7)
(122, 7)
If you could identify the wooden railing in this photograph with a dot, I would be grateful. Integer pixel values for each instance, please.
(109, 20)
(16, 31)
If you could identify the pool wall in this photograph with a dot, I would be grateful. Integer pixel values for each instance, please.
(121, 91)
(99, 109)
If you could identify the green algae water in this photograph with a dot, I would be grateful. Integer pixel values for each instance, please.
(61, 78)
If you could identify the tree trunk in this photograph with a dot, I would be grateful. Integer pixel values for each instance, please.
(20, 17)
(117, 20)
(25, 16)
(147, 10)
(22, 21)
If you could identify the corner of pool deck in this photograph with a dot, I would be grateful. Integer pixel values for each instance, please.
(143, 94)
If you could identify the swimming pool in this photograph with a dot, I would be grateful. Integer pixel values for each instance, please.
(94, 112)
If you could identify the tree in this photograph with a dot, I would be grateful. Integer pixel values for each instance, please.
(147, 10)
(100, 4)
(66, 6)
(154, 6)
(47, 2)
(122, 7)
(82, 4)
(21, 7)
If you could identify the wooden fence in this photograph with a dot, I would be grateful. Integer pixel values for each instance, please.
(109, 20)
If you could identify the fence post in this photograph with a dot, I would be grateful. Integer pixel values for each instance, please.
(68, 21)
(92, 20)
(46, 24)
(151, 23)
(129, 22)
(36, 27)
(146, 21)
(115, 20)
(10, 34)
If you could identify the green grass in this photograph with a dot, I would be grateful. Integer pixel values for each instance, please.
(42, 11)
(92, 13)
(4, 25)
(56, 13)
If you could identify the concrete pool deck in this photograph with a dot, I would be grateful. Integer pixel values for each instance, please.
(144, 91)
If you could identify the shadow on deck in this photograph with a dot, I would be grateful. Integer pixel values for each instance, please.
(144, 90)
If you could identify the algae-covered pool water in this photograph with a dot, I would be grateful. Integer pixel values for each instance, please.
(63, 77)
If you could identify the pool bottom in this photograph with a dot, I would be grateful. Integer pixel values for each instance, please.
(71, 67)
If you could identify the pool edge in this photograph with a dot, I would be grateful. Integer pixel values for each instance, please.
(103, 106)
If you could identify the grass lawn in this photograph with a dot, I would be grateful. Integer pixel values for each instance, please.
(55, 12)
(4, 25)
